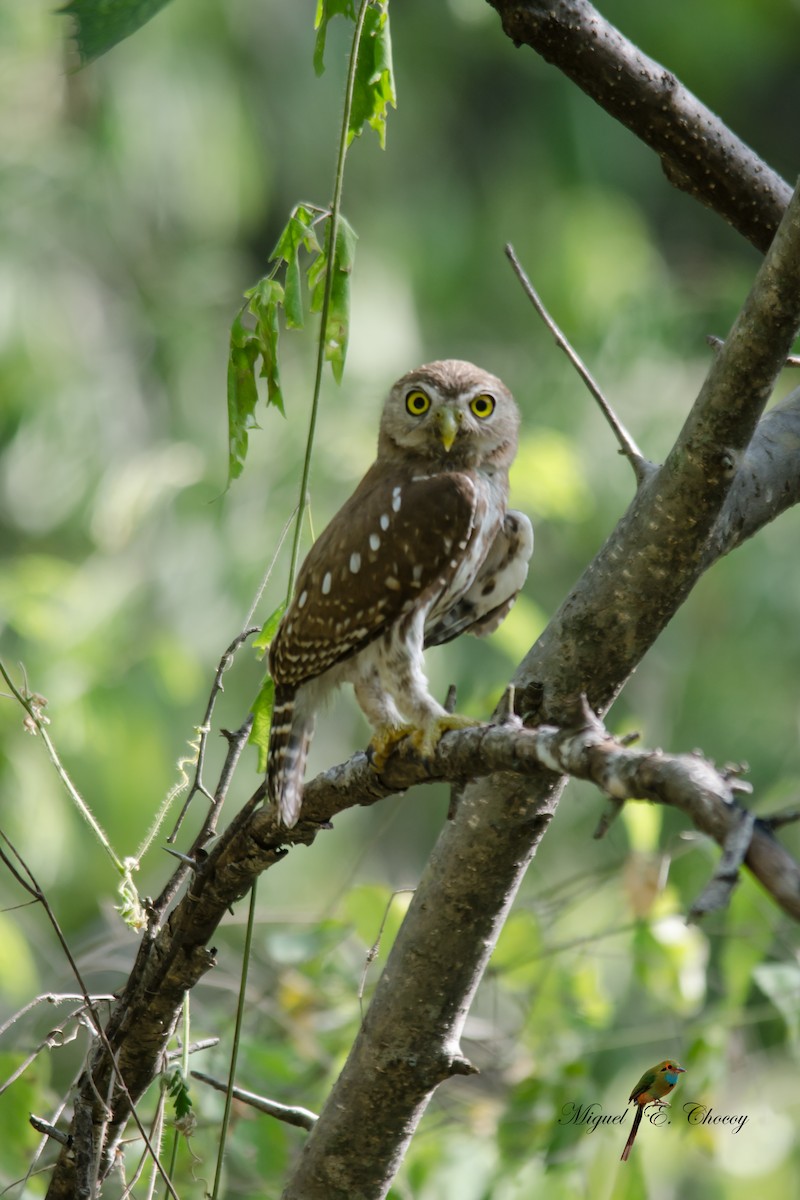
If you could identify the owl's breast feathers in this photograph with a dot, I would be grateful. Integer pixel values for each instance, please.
(404, 538)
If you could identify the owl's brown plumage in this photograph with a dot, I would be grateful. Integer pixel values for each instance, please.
(422, 551)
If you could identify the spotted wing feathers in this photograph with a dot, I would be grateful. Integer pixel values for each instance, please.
(400, 538)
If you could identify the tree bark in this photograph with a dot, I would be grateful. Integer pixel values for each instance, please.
(698, 153)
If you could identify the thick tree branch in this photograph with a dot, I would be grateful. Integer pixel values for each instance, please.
(409, 1041)
(767, 481)
(698, 152)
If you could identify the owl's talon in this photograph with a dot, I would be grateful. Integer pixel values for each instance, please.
(426, 740)
(384, 742)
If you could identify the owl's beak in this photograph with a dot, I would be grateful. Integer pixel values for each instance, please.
(447, 423)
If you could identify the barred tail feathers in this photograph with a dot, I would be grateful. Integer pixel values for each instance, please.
(289, 739)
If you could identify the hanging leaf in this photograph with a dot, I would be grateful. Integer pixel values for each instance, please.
(265, 301)
(100, 24)
(242, 395)
(373, 89)
(337, 326)
(326, 10)
(298, 234)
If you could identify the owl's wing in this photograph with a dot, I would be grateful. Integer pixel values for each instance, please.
(398, 541)
(489, 599)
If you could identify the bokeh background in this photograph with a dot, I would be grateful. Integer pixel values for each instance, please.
(138, 199)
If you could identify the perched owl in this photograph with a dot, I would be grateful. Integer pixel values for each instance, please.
(422, 551)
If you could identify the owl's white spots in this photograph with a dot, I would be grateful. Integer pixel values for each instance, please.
(447, 544)
(396, 498)
(355, 562)
(326, 584)
(301, 599)
(374, 541)
(416, 574)
(384, 521)
(462, 545)
(392, 582)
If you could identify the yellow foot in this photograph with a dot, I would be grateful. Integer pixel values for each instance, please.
(384, 742)
(424, 739)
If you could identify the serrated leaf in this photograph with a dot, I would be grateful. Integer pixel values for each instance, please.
(179, 1092)
(100, 24)
(373, 89)
(269, 628)
(262, 719)
(265, 301)
(326, 10)
(242, 395)
(337, 326)
(298, 234)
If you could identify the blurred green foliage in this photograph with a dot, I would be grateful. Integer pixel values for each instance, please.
(141, 198)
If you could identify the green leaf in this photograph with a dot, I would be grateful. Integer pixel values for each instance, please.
(265, 301)
(242, 395)
(326, 10)
(337, 326)
(270, 628)
(374, 88)
(100, 24)
(247, 345)
(298, 234)
(262, 719)
(179, 1091)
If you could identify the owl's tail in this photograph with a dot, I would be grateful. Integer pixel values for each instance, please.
(289, 739)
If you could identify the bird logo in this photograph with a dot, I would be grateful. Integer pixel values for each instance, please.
(655, 1084)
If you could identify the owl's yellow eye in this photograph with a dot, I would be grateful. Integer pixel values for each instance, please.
(417, 403)
(482, 406)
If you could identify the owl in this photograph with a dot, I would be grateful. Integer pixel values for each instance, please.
(424, 549)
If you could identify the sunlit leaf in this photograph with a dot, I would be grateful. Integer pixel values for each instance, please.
(269, 628)
(100, 24)
(326, 10)
(374, 87)
(262, 718)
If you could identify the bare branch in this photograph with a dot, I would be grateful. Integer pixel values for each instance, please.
(303, 1118)
(641, 466)
(698, 153)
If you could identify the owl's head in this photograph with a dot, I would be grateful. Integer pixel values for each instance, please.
(450, 413)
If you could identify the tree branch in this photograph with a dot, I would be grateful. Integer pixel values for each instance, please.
(698, 153)
(409, 1041)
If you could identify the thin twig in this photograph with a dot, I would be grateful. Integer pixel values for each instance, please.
(27, 880)
(36, 721)
(716, 343)
(642, 467)
(204, 730)
(302, 1117)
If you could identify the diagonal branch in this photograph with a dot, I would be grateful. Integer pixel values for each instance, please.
(698, 152)
(409, 1041)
